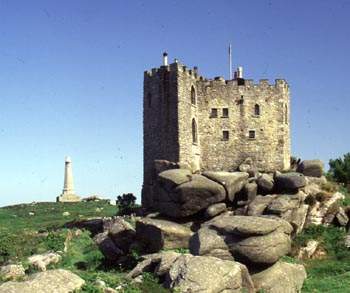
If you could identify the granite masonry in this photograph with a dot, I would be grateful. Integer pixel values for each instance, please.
(213, 124)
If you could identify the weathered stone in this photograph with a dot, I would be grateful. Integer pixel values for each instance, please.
(248, 167)
(154, 235)
(281, 204)
(265, 249)
(163, 165)
(290, 181)
(95, 225)
(245, 225)
(12, 272)
(313, 168)
(232, 181)
(312, 189)
(210, 243)
(342, 217)
(169, 179)
(316, 180)
(158, 263)
(122, 234)
(250, 239)
(191, 197)
(319, 211)
(215, 209)
(308, 251)
(41, 261)
(281, 277)
(259, 204)
(58, 281)
(347, 241)
(208, 275)
(265, 183)
(250, 191)
(107, 246)
(298, 218)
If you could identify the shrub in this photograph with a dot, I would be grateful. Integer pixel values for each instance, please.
(126, 203)
(340, 169)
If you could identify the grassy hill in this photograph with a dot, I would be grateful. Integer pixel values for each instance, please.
(49, 215)
(28, 229)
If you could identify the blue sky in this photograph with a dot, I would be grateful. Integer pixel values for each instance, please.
(71, 75)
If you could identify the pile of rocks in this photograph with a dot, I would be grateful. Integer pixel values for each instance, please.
(232, 228)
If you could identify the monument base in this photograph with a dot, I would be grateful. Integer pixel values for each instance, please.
(68, 198)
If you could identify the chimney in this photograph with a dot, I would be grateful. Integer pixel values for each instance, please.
(165, 58)
(239, 72)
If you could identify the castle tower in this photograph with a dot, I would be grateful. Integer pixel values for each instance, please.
(68, 194)
(212, 124)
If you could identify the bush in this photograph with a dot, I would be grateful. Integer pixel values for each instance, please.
(340, 169)
(126, 203)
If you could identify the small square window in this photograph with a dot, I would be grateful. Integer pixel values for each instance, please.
(225, 112)
(251, 134)
(214, 113)
(225, 135)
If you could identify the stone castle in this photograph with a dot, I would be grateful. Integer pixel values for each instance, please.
(213, 124)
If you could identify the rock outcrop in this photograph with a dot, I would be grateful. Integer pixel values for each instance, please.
(247, 238)
(156, 234)
(281, 277)
(208, 275)
(313, 168)
(58, 281)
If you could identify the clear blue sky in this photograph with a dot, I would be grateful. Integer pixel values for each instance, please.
(71, 75)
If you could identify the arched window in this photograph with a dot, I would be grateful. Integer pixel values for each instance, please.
(194, 131)
(257, 110)
(193, 96)
(286, 114)
(149, 100)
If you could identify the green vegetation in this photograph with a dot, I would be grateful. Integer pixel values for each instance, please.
(49, 216)
(331, 274)
(340, 169)
(22, 235)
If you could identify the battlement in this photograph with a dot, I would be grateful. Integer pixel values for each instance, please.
(182, 69)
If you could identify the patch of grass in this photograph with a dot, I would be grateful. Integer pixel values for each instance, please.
(18, 246)
(331, 274)
(331, 238)
(49, 215)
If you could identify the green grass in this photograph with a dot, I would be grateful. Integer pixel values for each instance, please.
(49, 215)
(19, 238)
(331, 274)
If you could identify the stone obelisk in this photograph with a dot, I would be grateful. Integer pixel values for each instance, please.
(68, 194)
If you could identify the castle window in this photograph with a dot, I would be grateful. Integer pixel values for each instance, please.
(257, 110)
(149, 100)
(193, 96)
(251, 134)
(194, 132)
(214, 113)
(225, 112)
(225, 135)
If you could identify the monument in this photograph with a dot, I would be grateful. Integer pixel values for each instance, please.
(68, 194)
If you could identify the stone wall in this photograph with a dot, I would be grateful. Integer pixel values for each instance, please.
(160, 121)
(169, 113)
